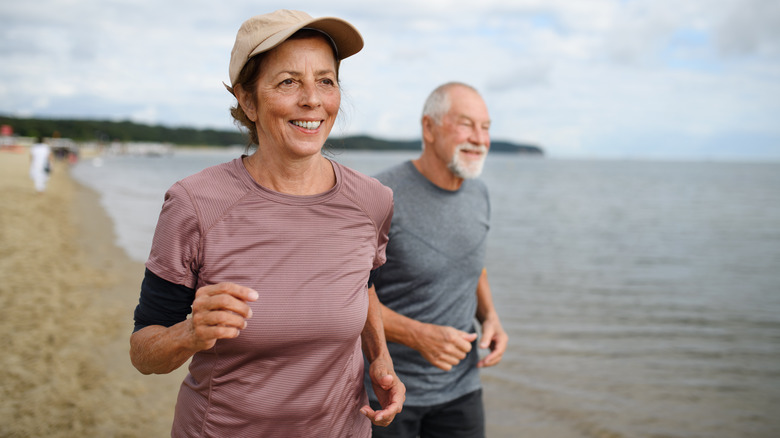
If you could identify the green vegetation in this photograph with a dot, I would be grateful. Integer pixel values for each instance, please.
(106, 131)
(370, 143)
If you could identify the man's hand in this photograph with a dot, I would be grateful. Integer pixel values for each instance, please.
(442, 346)
(390, 391)
(495, 338)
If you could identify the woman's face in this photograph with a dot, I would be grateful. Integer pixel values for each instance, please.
(297, 97)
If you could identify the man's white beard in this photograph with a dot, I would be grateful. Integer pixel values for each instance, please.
(465, 168)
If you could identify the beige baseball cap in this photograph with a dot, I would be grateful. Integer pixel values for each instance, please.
(264, 32)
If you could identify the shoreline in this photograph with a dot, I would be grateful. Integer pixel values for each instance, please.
(66, 314)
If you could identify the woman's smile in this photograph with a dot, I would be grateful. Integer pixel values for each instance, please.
(307, 125)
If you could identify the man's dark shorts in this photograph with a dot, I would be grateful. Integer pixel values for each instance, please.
(463, 417)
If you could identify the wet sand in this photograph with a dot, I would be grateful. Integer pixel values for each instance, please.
(66, 307)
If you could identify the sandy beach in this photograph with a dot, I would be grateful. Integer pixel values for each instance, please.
(66, 303)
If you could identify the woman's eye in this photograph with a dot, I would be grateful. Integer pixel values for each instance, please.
(286, 82)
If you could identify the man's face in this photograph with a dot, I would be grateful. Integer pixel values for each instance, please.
(462, 139)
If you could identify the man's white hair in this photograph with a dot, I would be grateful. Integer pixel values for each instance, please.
(438, 102)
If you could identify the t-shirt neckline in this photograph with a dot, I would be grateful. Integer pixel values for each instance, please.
(286, 198)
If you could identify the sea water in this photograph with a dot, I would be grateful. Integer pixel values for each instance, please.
(642, 298)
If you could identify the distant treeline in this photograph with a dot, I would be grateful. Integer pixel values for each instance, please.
(371, 143)
(108, 131)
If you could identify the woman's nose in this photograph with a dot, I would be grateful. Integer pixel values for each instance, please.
(310, 96)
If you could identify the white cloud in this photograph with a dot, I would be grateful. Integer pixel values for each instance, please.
(749, 27)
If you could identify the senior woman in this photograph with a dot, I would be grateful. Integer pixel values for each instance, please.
(272, 253)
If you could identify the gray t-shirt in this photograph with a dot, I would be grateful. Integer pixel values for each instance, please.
(435, 256)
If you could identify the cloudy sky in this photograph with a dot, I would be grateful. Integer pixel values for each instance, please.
(690, 79)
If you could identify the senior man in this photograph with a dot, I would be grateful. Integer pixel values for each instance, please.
(434, 284)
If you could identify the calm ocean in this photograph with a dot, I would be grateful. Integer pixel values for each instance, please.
(642, 298)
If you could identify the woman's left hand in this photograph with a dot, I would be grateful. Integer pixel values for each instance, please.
(390, 391)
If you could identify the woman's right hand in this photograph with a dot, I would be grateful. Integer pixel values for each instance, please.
(219, 311)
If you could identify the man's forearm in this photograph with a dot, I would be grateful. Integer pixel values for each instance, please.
(485, 307)
(398, 328)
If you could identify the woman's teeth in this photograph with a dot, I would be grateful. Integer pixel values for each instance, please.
(307, 125)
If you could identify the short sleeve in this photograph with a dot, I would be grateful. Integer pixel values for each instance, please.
(383, 232)
(175, 245)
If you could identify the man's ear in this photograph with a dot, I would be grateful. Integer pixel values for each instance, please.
(246, 101)
(427, 128)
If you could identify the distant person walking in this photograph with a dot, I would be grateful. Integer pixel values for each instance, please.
(40, 164)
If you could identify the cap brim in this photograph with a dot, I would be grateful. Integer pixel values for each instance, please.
(347, 39)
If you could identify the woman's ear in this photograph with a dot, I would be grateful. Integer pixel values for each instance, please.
(247, 102)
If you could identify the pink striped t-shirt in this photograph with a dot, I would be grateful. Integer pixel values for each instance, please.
(297, 369)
